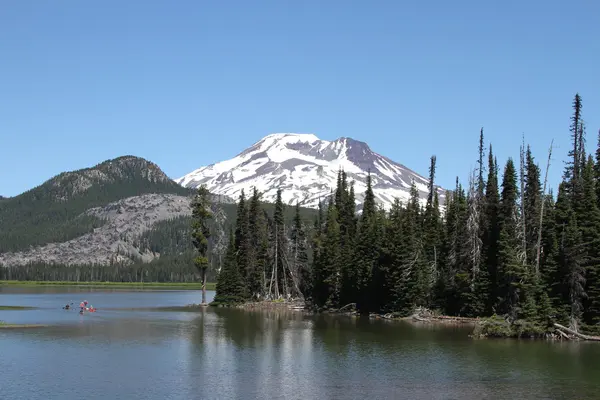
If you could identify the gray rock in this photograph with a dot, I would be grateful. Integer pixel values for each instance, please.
(113, 242)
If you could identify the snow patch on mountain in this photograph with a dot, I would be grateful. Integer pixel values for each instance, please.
(306, 169)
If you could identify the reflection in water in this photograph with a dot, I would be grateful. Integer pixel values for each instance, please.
(230, 354)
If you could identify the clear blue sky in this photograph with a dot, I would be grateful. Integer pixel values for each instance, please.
(188, 83)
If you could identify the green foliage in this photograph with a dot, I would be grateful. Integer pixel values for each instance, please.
(201, 214)
(230, 288)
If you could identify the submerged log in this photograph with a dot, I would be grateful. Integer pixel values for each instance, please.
(577, 334)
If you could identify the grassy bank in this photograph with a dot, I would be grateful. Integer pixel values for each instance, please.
(164, 285)
(5, 325)
(5, 308)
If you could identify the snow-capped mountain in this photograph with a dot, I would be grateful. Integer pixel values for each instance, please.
(306, 169)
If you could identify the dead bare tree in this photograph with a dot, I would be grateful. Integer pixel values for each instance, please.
(539, 238)
(521, 216)
(218, 238)
(474, 240)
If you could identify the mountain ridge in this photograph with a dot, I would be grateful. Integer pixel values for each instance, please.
(306, 168)
(54, 211)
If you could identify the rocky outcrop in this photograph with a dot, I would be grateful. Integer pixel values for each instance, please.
(126, 220)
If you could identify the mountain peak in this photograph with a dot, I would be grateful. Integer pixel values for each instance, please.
(305, 168)
(136, 172)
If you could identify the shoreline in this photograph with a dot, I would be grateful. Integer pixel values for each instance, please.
(423, 317)
(6, 325)
(16, 308)
(178, 285)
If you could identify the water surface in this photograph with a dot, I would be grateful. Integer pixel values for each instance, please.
(122, 352)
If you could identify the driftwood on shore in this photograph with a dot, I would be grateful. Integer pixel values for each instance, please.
(563, 330)
(422, 314)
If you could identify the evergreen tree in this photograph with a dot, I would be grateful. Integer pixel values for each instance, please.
(367, 252)
(345, 204)
(301, 268)
(589, 225)
(572, 169)
(533, 202)
(242, 237)
(258, 246)
(201, 214)
(511, 271)
(279, 283)
(597, 171)
(230, 285)
(432, 227)
(328, 290)
(492, 232)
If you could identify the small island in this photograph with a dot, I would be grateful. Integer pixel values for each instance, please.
(502, 252)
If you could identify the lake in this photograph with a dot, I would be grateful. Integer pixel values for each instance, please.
(127, 351)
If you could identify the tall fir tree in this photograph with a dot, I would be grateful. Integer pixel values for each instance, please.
(301, 267)
(511, 271)
(432, 228)
(279, 283)
(241, 237)
(329, 284)
(230, 288)
(201, 215)
(366, 252)
(532, 205)
(572, 168)
(258, 246)
(589, 225)
(492, 232)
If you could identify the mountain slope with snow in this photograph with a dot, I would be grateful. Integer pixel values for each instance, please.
(306, 169)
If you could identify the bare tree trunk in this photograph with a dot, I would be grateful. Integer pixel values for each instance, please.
(203, 286)
(539, 238)
(523, 221)
(275, 269)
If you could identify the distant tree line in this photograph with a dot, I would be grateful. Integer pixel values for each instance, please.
(172, 269)
(500, 247)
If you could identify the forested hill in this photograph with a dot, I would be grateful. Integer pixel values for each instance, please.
(53, 211)
(121, 213)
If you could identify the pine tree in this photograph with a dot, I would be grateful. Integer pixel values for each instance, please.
(279, 276)
(432, 227)
(473, 278)
(241, 237)
(301, 267)
(318, 273)
(572, 169)
(589, 225)
(412, 283)
(366, 252)
(597, 171)
(571, 270)
(492, 232)
(258, 246)
(388, 276)
(230, 285)
(511, 271)
(328, 293)
(533, 202)
(201, 214)
(345, 205)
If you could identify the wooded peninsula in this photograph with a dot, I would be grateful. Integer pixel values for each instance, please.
(506, 249)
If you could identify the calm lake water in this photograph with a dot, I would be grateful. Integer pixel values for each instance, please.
(123, 353)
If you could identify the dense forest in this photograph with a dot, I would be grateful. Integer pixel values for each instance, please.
(502, 246)
(170, 240)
